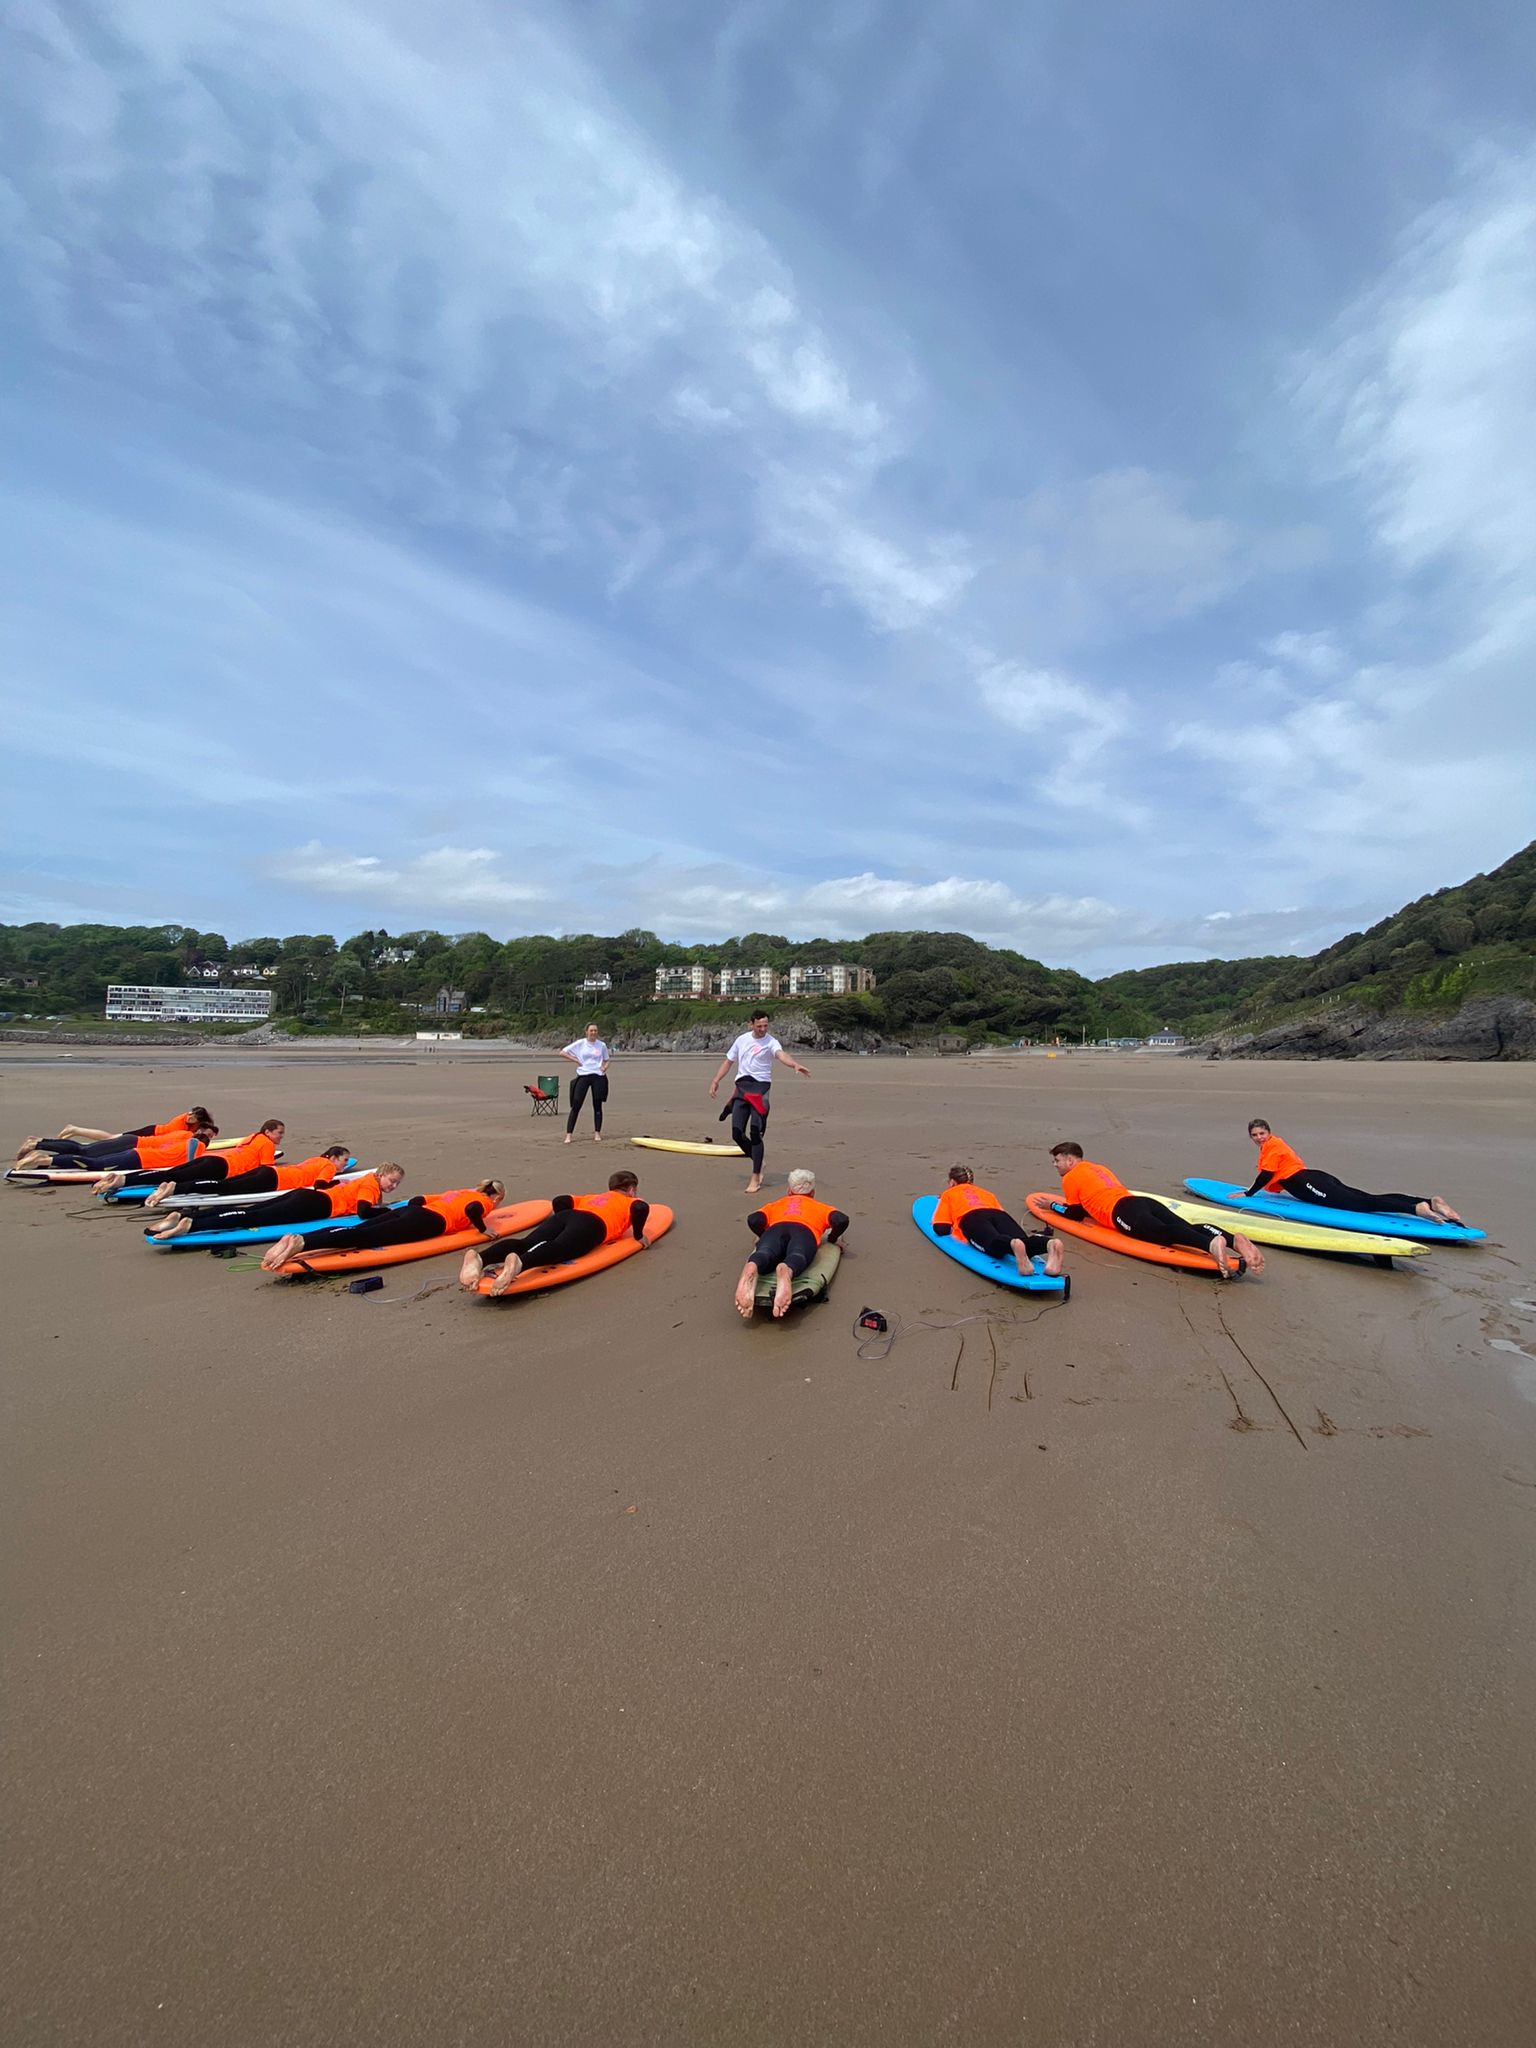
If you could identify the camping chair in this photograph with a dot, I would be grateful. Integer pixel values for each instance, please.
(546, 1096)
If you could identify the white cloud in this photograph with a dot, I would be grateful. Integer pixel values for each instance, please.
(449, 881)
(703, 903)
(1425, 404)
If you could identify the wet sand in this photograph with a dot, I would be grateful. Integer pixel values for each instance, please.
(1154, 1670)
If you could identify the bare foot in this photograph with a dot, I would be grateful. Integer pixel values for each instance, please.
(512, 1265)
(597, 1137)
(1021, 1258)
(1055, 1258)
(25, 1161)
(27, 1145)
(746, 1292)
(280, 1253)
(160, 1194)
(110, 1183)
(1439, 1209)
(1248, 1252)
(754, 1187)
(568, 1137)
(171, 1226)
(783, 1290)
(473, 1265)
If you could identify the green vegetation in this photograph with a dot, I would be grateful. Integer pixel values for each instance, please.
(1478, 938)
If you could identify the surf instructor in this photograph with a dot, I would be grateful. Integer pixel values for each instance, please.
(752, 1055)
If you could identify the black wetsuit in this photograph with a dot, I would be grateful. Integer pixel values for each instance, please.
(994, 1232)
(1327, 1191)
(789, 1244)
(748, 1122)
(566, 1233)
(584, 1086)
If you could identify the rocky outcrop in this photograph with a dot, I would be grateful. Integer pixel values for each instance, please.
(1487, 1028)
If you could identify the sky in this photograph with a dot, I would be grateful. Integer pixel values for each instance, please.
(812, 466)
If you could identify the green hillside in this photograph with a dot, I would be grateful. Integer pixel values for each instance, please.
(1476, 938)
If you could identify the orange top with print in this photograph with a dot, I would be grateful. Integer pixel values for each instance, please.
(453, 1206)
(816, 1216)
(1094, 1188)
(959, 1200)
(256, 1150)
(169, 1151)
(346, 1197)
(614, 1209)
(1278, 1160)
(307, 1172)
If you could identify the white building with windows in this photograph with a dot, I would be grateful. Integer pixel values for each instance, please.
(685, 983)
(597, 984)
(733, 983)
(830, 978)
(203, 1005)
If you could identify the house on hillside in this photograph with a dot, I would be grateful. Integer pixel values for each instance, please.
(1165, 1037)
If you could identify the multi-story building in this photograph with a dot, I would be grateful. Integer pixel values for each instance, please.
(253, 973)
(684, 983)
(394, 956)
(189, 1005)
(596, 984)
(830, 978)
(449, 1002)
(736, 984)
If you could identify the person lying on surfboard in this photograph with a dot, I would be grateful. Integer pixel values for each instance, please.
(423, 1218)
(1095, 1195)
(576, 1226)
(980, 1218)
(753, 1055)
(205, 1170)
(303, 1195)
(789, 1234)
(1281, 1172)
(76, 1145)
(151, 1155)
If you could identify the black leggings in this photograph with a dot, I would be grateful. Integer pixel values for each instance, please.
(584, 1085)
(261, 1180)
(304, 1205)
(208, 1170)
(747, 1127)
(409, 1225)
(569, 1234)
(76, 1151)
(1143, 1217)
(785, 1244)
(993, 1231)
(1330, 1193)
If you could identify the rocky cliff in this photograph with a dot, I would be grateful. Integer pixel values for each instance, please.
(1487, 1028)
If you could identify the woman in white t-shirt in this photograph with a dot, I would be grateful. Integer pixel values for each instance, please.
(590, 1057)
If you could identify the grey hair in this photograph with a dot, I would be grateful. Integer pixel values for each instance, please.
(801, 1181)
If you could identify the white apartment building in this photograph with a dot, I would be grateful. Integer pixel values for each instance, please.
(831, 978)
(189, 1005)
(684, 983)
(597, 984)
(733, 984)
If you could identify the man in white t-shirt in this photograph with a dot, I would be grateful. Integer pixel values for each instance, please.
(752, 1055)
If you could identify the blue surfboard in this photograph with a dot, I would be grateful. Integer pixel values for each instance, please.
(1003, 1271)
(1383, 1224)
(268, 1233)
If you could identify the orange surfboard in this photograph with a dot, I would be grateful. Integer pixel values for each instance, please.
(657, 1224)
(504, 1223)
(1047, 1209)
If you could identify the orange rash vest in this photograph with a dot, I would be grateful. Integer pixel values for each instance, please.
(1278, 1160)
(959, 1199)
(453, 1206)
(816, 1216)
(1094, 1188)
(346, 1198)
(613, 1209)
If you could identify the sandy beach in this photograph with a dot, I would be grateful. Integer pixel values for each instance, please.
(1158, 1669)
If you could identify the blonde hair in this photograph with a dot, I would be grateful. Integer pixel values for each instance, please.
(801, 1181)
(389, 1166)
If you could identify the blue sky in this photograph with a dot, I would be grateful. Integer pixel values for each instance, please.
(1063, 473)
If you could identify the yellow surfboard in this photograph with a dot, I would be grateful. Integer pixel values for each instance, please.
(704, 1151)
(1295, 1237)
